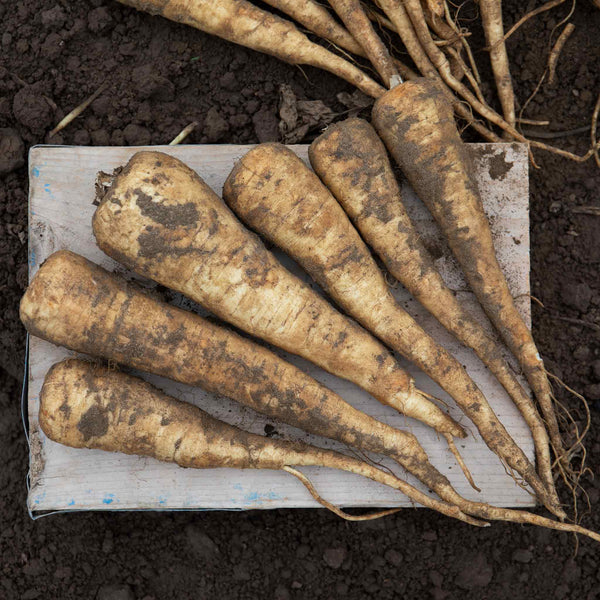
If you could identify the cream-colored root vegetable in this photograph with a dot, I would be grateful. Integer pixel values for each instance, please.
(417, 125)
(359, 25)
(84, 405)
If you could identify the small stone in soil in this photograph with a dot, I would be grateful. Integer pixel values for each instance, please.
(334, 557)
(99, 19)
(477, 573)
(393, 557)
(592, 392)
(341, 588)
(136, 135)
(436, 578)
(266, 125)
(81, 137)
(240, 573)
(439, 594)
(522, 556)
(229, 81)
(53, 18)
(32, 110)
(215, 126)
(281, 593)
(100, 138)
(150, 84)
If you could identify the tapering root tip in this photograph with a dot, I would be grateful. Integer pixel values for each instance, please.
(334, 509)
(460, 461)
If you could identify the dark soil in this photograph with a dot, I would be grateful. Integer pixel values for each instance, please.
(160, 77)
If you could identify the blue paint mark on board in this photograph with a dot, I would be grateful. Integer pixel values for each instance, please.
(71, 502)
(238, 486)
(260, 497)
(38, 499)
(162, 500)
(35, 172)
(32, 258)
(108, 499)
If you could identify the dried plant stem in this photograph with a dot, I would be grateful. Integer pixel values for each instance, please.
(359, 25)
(587, 210)
(524, 121)
(184, 133)
(78, 110)
(491, 17)
(557, 49)
(593, 132)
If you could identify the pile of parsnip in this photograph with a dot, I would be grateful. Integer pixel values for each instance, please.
(160, 219)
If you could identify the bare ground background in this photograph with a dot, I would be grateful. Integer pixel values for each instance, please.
(160, 77)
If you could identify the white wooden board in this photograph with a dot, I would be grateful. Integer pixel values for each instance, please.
(61, 193)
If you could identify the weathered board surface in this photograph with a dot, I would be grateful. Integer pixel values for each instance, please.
(61, 194)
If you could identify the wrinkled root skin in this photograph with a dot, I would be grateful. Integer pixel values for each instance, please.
(417, 125)
(84, 405)
(352, 161)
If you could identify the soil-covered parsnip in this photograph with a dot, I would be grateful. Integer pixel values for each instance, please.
(85, 405)
(73, 302)
(160, 219)
(352, 161)
(241, 22)
(417, 125)
(275, 193)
